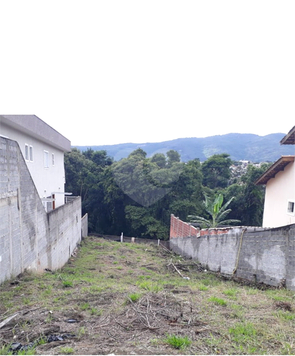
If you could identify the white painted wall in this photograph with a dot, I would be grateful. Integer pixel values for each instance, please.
(279, 190)
(47, 179)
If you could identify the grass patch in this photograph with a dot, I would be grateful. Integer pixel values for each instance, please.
(134, 297)
(67, 284)
(66, 350)
(150, 286)
(243, 332)
(232, 293)
(203, 315)
(178, 342)
(218, 301)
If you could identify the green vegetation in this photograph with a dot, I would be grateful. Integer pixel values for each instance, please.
(178, 342)
(219, 301)
(66, 350)
(134, 297)
(137, 194)
(216, 211)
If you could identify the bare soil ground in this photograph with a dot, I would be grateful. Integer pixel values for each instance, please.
(124, 298)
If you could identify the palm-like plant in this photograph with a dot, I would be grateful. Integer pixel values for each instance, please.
(217, 212)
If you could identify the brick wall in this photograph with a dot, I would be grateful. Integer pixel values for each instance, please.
(31, 239)
(253, 253)
(179, 228)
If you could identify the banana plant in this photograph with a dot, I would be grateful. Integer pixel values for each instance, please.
(217, 212)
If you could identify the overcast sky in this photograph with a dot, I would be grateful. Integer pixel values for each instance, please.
(106, 72)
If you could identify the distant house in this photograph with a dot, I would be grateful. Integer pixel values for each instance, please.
(43, 149)
(279, 205)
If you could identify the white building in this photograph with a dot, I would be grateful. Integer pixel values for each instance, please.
(43, 149)
(279, 204)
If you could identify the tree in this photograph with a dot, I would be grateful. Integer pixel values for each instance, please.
(173, 157)
(216, 171)
(253, 196)
(217, 212)
(159, 159)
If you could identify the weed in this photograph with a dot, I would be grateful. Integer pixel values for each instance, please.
(150, 286)
(81, 332)
(178, 342)
(219, 301)
(85, 306)
(67, 284)
(26, 300)
(203, 288)
(4, 350)
(66, 350)
(210, 280)
(214, 343)
(238, 311)
(231, 293)
(285, 315)
(288, 349)
(134, 297)
(243, 332)
(95, 311)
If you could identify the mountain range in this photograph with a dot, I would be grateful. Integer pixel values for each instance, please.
(248, 147)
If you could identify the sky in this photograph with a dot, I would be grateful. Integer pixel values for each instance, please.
(107, 72)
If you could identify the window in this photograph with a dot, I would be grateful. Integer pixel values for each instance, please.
(26, 152)
(53, 159)
(46, 159)
(291, 207)
(31, 153)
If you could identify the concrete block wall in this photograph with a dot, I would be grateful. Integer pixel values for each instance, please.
(252, 253)
(65, 233)
(31, 239)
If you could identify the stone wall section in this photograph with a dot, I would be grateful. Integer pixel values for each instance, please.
(31, 239)
(257, 254)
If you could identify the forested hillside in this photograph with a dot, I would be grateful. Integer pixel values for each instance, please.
(137, 194)
(249, 147)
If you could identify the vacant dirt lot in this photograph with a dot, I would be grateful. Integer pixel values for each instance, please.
(124, 298)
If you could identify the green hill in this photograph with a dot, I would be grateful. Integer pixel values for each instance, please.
(249, 147)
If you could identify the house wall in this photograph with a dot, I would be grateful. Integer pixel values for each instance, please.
(31, 239)
(47, 179)
(277, 194)
(256, 254)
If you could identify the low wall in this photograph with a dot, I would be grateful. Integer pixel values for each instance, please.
(31, 239)
(253, 253)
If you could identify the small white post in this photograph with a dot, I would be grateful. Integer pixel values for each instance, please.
(158, 242)
(122, 237)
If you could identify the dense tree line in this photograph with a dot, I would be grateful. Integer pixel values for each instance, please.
(137, 195)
